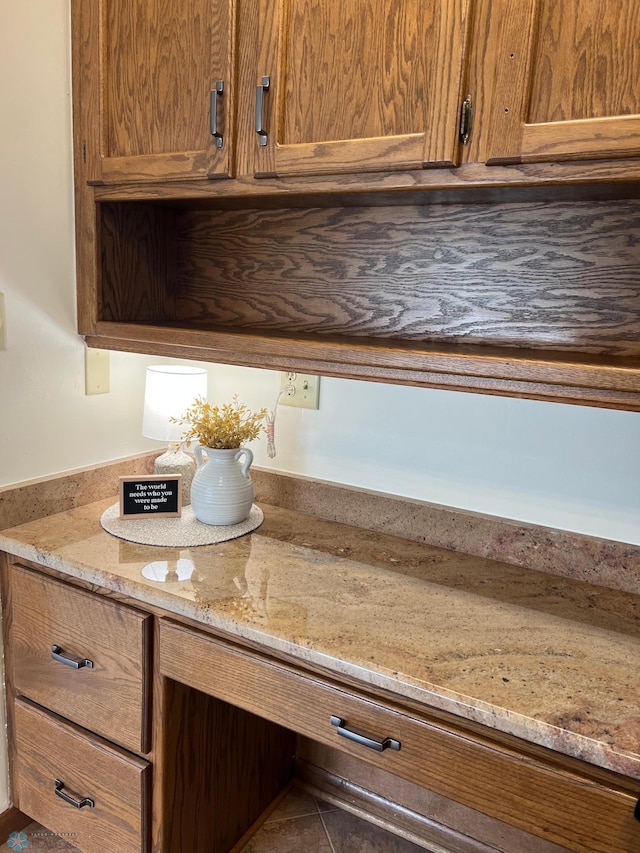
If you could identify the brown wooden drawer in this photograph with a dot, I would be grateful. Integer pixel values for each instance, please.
(47, 749)
(111, 697)
(590, 813)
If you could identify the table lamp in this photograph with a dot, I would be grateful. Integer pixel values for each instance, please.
(169, 391)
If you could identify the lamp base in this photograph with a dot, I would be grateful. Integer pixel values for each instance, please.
(175, 461)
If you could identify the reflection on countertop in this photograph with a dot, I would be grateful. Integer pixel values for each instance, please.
(549, 659)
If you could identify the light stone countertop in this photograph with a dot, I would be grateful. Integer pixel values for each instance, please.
(549, 659)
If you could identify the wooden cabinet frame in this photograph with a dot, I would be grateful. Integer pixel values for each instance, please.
(132, 293)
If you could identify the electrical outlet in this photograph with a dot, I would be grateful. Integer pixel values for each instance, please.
(300, 389)
(96, 371)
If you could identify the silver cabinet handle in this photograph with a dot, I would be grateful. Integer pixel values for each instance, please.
(260, 130)
(213, 111)
(362, 739)
(58, 654)
(76, 802)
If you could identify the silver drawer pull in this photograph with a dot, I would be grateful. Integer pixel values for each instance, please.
(73, 801)
(69, 660)
(213, 112)
(362, 739)
(263, 87)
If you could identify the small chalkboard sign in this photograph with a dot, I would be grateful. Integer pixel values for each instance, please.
(152, 496)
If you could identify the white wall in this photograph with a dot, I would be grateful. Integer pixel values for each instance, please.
(564, 466)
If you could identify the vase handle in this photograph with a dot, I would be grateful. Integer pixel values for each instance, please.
(247, 462)
(197, 452)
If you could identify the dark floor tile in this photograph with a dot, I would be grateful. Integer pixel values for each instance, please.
(351, 834)
(298, 835)
(324, 807)
(297, 803)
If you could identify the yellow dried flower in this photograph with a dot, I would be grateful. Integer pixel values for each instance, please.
(221, 427)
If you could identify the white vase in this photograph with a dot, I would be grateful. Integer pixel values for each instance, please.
(222, 491)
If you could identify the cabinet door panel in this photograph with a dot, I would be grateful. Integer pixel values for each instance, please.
(564, 75)
(360, 85)
(159, 62)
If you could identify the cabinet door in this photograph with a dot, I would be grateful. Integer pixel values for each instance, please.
(359, 85)
(161, 64)
(561, 79)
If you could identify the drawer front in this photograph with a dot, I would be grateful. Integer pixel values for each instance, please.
(110, 696)
(559, 805)
(49, 749)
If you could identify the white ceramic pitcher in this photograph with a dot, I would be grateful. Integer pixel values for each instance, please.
(222, 490)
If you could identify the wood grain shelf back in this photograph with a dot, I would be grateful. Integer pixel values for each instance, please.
(504, 275)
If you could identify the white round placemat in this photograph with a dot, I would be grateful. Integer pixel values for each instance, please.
(182, 532)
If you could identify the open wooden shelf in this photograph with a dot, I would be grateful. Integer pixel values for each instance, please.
(525, 299)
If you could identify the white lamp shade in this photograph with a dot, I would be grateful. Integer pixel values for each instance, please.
(169, 391)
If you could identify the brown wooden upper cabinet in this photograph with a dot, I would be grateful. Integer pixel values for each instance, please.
(359, 85)
(165, 90)
(162, 90)
(560, 80)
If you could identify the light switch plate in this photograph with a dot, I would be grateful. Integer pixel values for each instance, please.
(300, 389)
(96, 371)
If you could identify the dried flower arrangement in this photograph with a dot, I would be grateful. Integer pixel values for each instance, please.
(221, 427)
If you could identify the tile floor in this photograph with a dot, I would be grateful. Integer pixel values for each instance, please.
(301, 824)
